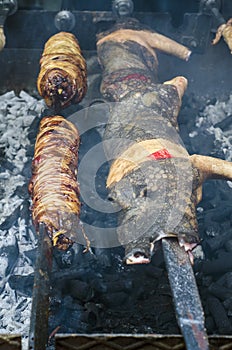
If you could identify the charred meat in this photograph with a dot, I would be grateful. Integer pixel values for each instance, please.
(62, 78)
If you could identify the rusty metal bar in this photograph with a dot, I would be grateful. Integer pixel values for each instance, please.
(188, 307)
(38, 334)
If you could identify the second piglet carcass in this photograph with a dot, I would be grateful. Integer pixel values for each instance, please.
(152, 178)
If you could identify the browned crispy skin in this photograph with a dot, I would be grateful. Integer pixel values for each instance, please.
(62, 78)
(53, 186)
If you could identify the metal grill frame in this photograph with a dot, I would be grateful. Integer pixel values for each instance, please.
(132, 342)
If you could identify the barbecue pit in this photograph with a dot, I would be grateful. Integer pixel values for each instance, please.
(97, 295)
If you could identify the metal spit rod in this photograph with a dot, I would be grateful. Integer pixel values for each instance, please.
(38, 333)
(188, 307)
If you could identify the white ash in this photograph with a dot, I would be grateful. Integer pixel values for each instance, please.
(14, 314)
(229, 183)
(212, 115)
(16, 115)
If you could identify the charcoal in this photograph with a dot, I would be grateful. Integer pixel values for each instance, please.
(217, 242)
(118, 299)
(80, 290)
(218, 266)
(184, 134)
(30, 151)
(67, 310)
(94, 280)
(220, 292)
(206, 280)
(9, 250)
(10, 220)
(25, 211)
(119, 286)
(64, 259)
(111, 323)
(158, 258)
(67, 274)
(226, 226)
(33, 129)
(210, 324)
(78, 327)
(218, 216)
(103, 256)
(6, 165)
(98, 284)
(26, 171)
(21, 191)
(220, 252)
(225, 123)
(219, 315)
(228, 306)
(224, 213)
(22, 284)
(205, 143)
(221, 281)
(228, 245)
(73, 322)
(68, 302)
(93, 314)
(228, 278)
(208, 191)
(2, 152)
(153, 271)
(166, 318)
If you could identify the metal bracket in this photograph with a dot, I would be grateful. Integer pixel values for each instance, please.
(196, 31)
(7, 8)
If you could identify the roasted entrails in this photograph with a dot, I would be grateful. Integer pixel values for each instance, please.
(53, 186)
(62, 78)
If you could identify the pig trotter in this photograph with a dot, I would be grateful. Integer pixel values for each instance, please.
(180, 83)
(224, 30)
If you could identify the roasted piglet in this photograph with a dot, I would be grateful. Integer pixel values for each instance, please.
(53, 185)
(153, 179)
(62, 78)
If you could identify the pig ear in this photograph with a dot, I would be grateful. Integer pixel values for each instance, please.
(212, 168)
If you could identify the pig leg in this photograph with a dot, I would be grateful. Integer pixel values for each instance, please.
(212, 168)
(149, 40)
